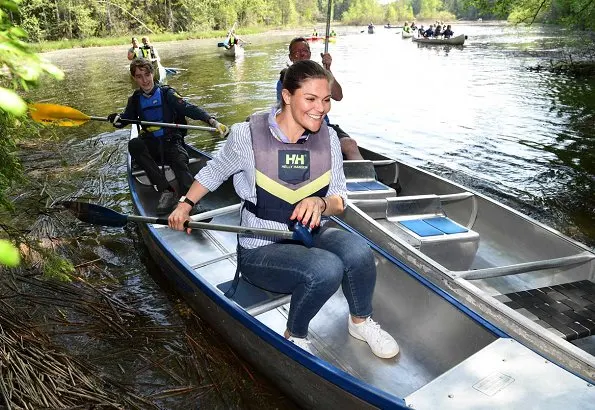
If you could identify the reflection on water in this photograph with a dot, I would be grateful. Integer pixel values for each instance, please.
(474, 113)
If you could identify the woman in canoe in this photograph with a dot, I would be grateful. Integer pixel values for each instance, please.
(287, 168)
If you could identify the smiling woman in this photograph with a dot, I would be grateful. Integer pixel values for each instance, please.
(307, 100)
(287, 168)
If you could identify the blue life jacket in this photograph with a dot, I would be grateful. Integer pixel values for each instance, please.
(157, 109)
(152, 110)
(287, 173)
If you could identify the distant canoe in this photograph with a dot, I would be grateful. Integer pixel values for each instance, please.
(320, 38)
(455, 41)
(391, 26)
(233, 51)
(174, 70)
(160, 73)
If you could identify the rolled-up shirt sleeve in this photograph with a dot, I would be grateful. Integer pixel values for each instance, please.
(227, 162)
(338, 184)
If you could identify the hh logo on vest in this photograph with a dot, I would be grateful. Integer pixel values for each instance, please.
(294, 166)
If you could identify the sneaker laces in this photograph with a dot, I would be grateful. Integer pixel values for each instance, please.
(373, 331)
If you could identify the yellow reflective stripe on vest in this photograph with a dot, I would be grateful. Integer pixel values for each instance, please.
(289, 195)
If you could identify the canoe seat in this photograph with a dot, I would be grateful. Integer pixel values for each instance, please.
(567, 310)
(422, 222)
(253, 299)
(362, 183)
(142, 178)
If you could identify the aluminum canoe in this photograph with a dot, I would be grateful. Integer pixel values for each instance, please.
(451, 355)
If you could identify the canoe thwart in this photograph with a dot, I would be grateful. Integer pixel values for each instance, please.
(420, 220)
(253, 299)
(525, 267)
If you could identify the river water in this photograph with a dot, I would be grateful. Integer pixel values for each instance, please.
(476, 114)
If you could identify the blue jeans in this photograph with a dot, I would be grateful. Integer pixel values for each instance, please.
(313, 275)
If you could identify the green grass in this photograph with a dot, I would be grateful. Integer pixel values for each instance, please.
(112, 41)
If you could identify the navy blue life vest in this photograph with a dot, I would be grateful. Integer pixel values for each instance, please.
(152, 110)
(287, 173)
(157, 109)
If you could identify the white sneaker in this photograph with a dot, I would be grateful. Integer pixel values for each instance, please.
(382, 344)
(302, 342)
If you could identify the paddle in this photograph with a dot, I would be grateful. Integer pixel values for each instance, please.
(174, 70)
(99, 215)
(65, 116)
(328, 25)
(226, 42)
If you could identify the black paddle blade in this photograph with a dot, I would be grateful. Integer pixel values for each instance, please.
(95, 214)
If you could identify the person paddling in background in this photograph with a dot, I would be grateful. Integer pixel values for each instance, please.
(134, 51)
(287, 166)
(448, 33)
(299, 50)
(234, 39)
(148, 51)
(159, 103)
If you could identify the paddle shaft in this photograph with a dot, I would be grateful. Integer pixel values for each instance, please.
(159, 124)
(216, 227)
(328, 25)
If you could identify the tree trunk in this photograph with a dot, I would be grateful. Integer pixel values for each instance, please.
(108, 19)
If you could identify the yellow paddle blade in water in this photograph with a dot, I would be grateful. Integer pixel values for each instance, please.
(60, 115)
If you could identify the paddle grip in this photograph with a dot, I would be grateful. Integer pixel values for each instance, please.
(303, 234)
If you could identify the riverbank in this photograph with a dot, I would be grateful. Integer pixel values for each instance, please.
(164, 37)
(125, 39)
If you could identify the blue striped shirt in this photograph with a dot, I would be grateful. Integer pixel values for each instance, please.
(236, 158)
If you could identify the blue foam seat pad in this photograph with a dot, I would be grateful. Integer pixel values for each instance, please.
(366, 186)
(374, 185)
(433, 226)
(355, 186)
(445, 225)
(421, 228)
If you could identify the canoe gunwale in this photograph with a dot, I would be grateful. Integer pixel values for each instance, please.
(453, 41)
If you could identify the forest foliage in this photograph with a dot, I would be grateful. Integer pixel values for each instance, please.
(46, 20)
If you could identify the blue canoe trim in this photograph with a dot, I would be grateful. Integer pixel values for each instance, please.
(345, 381)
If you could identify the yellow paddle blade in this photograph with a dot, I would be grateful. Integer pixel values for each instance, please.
(60, 115)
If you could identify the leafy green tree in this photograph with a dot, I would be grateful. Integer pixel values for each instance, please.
(21, 69)
(363, 12)
(398, 11)
(579, 13)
